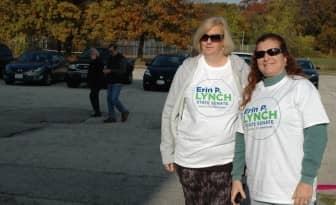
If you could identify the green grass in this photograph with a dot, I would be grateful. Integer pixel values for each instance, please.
(327, 65)
(327, 60)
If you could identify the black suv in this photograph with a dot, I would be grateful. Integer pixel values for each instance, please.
(77, 70)
(6, 56)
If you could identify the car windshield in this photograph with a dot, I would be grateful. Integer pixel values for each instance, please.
(305, 65)
(34, 57)
(86, 53)
(4, 51)
(167, 61)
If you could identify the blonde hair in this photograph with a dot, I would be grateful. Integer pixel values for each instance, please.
(94, 51)
(206, 25)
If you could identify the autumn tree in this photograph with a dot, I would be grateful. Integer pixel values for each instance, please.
(169, 21)
(255, 16)
(24, 23)
(317, 18)
(232, 13)
(37, 19)
(63, 23)
(280, 19)
(307, 25)
(8, 19)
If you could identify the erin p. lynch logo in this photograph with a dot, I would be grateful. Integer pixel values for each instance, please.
(212, 97)
(260, 117)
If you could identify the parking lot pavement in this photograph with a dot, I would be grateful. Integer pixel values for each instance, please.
(51, 152)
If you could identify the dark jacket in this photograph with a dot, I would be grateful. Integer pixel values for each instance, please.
(118, 66)
(95, 76)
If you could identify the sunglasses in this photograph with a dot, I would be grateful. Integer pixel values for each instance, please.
(213, 38)
(270, 52)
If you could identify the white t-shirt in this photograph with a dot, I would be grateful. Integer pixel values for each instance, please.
(205, 135)
(273, 123)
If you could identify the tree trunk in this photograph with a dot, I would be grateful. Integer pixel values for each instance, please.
(59, 46)
(141, 46)
(68, 45)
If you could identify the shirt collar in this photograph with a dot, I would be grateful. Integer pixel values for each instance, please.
(275, 79)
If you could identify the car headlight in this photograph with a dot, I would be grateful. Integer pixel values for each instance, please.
(38, 70)
(147, 72)
(72, 67)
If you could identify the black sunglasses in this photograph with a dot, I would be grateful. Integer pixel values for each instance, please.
(213, 38)
(270, 52)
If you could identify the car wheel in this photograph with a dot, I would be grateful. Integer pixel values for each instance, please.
(9, 82)
(146, 86)
(71, 84)
(47, 79)
(130, 78)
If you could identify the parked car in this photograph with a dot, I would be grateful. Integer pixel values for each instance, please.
(36, 66)
(246, 56)
(310, 70)
(160, 71)
(6, 56)
(77, 70)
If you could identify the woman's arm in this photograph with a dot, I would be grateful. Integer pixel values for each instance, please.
(167, 146)
(238, 168)
(239, 157)
(315, 140)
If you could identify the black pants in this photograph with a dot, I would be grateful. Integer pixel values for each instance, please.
(94, 98)
(206, 186)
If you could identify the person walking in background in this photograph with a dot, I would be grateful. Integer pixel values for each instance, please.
(115, 71)
(95, 80)
(200, 116)
(284, 130)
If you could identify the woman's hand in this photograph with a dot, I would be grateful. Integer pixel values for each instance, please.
(170, 167)
(303, 194)
(237, 187)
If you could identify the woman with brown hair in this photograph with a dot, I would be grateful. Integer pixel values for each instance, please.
(283, 130)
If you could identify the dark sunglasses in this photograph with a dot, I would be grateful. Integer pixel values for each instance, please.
(270, 52)
(213, 38)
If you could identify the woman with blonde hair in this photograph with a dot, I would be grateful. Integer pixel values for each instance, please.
(200, 116)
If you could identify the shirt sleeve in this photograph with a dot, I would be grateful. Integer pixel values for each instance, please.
(239, 157)
(240, 128)
(309, 104)
(167, 145)
(315, 140)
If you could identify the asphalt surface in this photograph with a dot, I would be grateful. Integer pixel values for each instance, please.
(53, 153)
